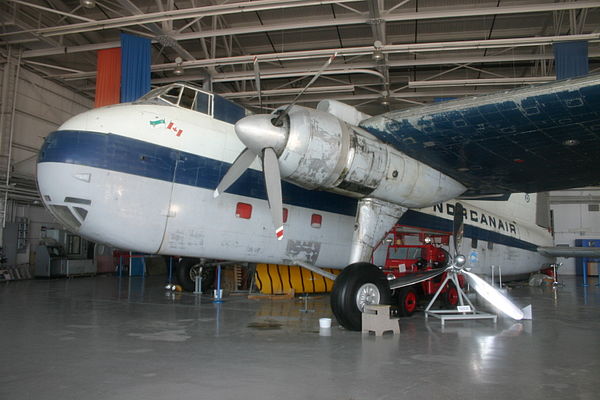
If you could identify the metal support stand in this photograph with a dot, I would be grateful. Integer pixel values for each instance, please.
(305, 309)
(198, 284)
(218, 291)
(463, 311)
(556, 283)
(584, 271)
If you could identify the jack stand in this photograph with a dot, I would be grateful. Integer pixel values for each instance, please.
(198, 285)
(305, 309)
(556, 283)
(218, 292)
(462, 312)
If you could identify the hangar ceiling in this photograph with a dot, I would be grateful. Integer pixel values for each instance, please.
(390, 54)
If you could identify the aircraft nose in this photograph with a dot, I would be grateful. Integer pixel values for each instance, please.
(67, 200)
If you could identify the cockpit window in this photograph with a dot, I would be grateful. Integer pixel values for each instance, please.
(187, 96)
(172, 95)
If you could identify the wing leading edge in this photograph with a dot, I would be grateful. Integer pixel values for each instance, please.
(529, 139)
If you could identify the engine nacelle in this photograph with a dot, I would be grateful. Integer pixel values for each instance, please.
(324, 152)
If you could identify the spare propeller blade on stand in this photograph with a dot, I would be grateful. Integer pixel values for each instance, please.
(265, 136)
(466, 309)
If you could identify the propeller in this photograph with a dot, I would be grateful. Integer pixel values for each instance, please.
(484, 289)
(266, 136)
(257, 81)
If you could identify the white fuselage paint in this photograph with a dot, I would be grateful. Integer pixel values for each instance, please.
(156, 216)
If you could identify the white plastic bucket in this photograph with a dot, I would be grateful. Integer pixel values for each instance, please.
(325, 322)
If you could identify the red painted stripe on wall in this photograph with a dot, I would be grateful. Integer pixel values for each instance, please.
(108, 77)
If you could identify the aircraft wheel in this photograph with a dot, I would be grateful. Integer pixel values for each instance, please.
(450, 297)
(359, 284)
(407, 301)
(186, 271)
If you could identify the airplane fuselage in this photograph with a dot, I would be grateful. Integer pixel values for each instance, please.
(141, 176)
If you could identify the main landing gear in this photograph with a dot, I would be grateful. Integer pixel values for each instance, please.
(363, 283)
(186, 271)
(359, 284)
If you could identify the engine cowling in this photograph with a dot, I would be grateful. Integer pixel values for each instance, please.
(323, 152)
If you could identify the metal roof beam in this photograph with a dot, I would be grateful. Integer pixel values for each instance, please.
(348, 51)
(262, 5)
(357, 65)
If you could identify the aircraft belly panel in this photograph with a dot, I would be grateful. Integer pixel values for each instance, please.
(123, 210)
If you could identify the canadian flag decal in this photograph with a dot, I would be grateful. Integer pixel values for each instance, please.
(173, 128)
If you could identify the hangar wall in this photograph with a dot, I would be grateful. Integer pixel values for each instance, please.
(576, 215)
(38, 107)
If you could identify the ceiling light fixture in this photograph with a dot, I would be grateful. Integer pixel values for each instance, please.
(178, 68)
(88, 3)
(377, 55)
(571, 142)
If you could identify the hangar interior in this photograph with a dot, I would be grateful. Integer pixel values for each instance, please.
(123, 337)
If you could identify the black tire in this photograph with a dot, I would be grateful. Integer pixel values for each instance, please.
(407, 301)
(186, 271)
(346, 287)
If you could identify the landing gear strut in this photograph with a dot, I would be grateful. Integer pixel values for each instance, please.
(359, 284)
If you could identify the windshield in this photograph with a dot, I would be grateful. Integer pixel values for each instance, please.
(192, 98)
(180, 95)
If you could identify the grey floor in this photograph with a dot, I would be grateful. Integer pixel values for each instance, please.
(105, 338)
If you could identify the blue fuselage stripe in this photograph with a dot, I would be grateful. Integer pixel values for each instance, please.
(131, 156)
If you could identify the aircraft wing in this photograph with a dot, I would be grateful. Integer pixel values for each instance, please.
(559, 251)
(530, 139)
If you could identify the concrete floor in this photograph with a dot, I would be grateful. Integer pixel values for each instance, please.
(105, 338)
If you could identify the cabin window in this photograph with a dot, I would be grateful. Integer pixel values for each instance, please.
(203, 103)
(285, 215)
(474, 243)
(187, 98)
(490, 245)
(243, 210)
(316, 220)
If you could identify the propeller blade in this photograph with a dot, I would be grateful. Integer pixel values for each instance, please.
(282, 115)
(273, 183)
(417, 277)
(458, 227)
(493, 296)
(257, 81)
(241, 164)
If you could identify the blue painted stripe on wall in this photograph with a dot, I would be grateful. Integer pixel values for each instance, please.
(122, 154)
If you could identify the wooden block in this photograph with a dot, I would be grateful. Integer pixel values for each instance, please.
(376, 318)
